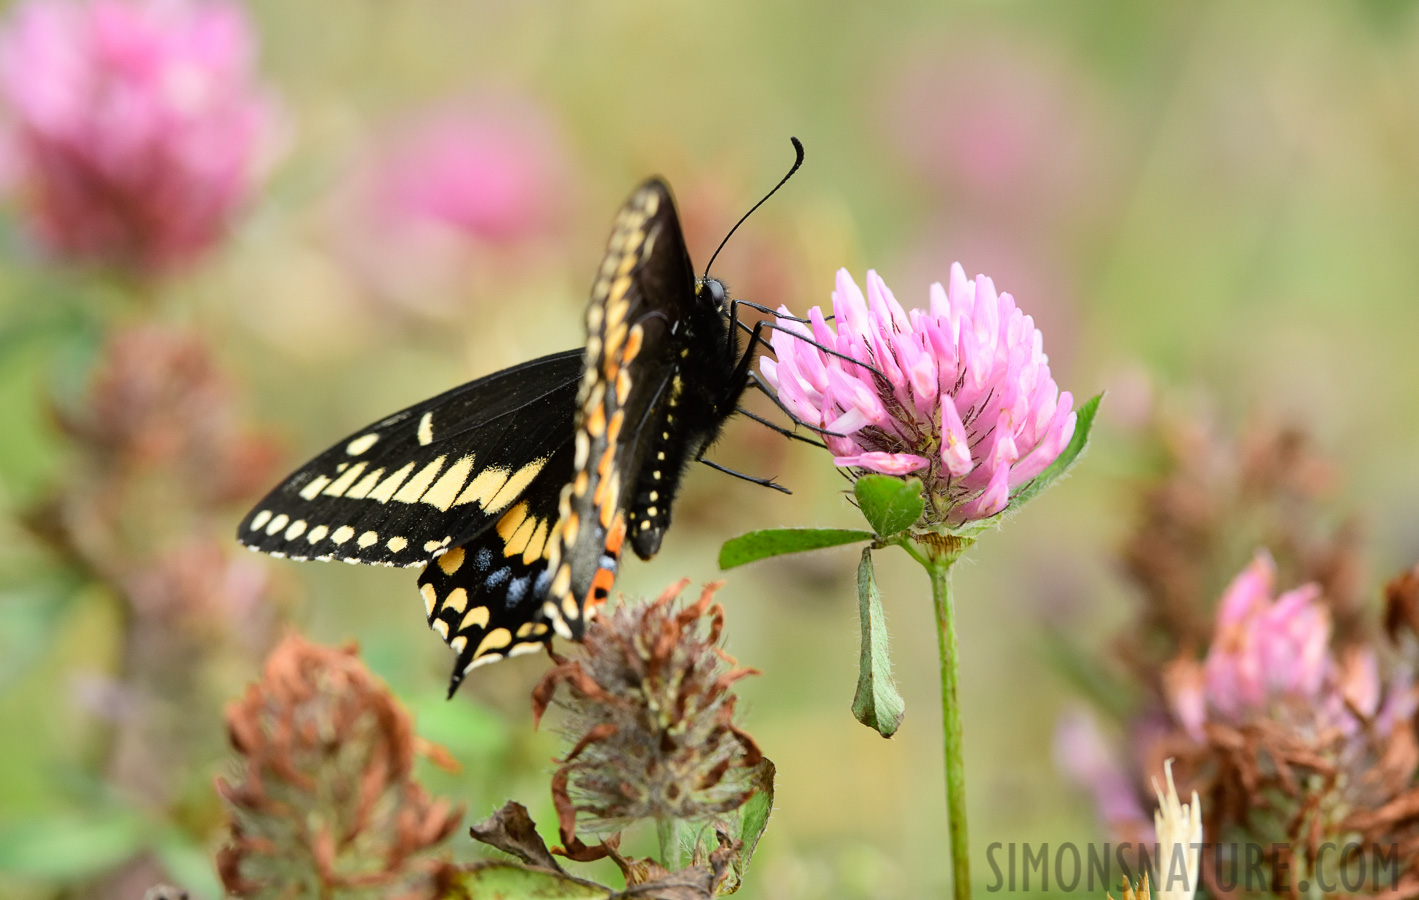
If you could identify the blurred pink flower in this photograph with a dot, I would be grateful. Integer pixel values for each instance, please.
(458, 195)
(490, 172)
(134, 127)
(1002, 126)
(964, 398)
(1265, 648)
(1083, 754)
(1268, 654)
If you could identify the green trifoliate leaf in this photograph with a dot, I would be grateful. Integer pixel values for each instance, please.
(890, 505)
(877, 703)
(758, 545)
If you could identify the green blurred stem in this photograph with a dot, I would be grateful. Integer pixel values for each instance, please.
(668, 831)
(939, 565)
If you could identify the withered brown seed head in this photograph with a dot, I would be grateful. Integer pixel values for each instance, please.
(1402, 605)
(326, 798)
(650, 715)
(1216, 501)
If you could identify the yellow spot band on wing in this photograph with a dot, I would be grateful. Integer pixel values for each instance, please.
(317, 484)
(457, 600)
(496, 639)
(478, 615)
(339, 486)
(536, 545)
(451, 561)
(483, 486)
(361, 444)
(445, 490)
(518, 542)
(388, 486)
(362, 490)
(415, 487)
(515, 485)
(511, 521)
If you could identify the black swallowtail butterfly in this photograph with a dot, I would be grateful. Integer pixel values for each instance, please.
(516, 492)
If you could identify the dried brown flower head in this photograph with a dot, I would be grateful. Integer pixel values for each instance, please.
(1214, 502)
(1333, 764)
(157, 399)
(651, 719)
(326, 798)
(1402, 606)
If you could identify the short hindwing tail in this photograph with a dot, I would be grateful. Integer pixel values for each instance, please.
(409, 487)
(644, 286)
(485, 597)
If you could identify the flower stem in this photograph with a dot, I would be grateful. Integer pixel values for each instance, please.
(940, 569)
(668, 831)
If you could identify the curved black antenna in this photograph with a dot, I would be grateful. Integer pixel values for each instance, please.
(798, 161)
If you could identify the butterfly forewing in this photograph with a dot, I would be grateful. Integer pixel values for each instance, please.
(641, 296)
(416, 484)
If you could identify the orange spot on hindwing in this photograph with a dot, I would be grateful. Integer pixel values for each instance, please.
(605, 575)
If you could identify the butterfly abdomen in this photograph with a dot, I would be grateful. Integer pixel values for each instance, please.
(685, 420)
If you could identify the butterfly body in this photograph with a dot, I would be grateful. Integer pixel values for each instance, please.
(517, 492)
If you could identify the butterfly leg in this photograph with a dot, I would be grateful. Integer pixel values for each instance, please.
(756, 338)
(772, 426)
(756, 382)
(762, 482)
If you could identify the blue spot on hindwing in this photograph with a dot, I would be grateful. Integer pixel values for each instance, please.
(517, 589)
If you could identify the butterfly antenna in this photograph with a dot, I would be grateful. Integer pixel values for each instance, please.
(798, 161)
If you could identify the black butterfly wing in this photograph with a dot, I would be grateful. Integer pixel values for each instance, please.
(485, 598)
(642, 296)
(413, 485)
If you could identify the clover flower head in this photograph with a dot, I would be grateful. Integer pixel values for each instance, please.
(135, 127)
(958, 394)
(1265, 649)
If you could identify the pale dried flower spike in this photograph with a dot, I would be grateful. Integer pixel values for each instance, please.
(1179, 830)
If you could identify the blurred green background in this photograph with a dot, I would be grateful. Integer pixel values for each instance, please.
(1214, 203)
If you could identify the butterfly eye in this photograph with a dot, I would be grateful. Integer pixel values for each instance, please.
(714, 290)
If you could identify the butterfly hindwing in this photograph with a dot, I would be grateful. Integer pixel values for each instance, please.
(415, 484)
(484, 597)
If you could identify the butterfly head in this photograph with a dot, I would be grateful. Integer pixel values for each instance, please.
(713, 291)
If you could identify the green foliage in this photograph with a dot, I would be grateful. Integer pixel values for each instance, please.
(877, 704)
(753, 820)
(757, 545)
(69, 847)
(890, 505)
